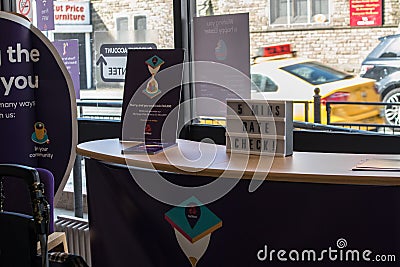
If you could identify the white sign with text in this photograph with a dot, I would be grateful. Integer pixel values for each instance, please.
(259, 127)
(66, 13)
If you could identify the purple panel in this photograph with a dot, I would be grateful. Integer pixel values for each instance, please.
(45, 15)
(37, 108)
(128, 226)
(69, 52)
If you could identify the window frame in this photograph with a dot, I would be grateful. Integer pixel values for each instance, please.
(291, 7)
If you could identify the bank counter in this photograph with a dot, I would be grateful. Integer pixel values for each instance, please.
(308, 209)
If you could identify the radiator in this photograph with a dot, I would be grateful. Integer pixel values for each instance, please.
(77, 233)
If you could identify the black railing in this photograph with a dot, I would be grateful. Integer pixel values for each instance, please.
(382, 127)
(113, 113)
(329, 108)
(92, 102)
(325, 127)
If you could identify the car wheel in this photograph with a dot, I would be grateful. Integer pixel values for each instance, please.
(392, 112)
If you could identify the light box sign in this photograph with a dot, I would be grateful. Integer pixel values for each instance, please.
(37, 101)
(66, 13)
(365, 12)
(259, 127)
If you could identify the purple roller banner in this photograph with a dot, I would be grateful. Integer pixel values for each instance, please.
(69, 52)
(37, 101)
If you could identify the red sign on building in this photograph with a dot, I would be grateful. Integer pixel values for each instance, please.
(365, 12)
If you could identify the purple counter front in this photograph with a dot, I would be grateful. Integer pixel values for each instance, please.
(280, 224)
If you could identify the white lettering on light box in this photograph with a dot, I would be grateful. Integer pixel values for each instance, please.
(256, 108)
(259, 127)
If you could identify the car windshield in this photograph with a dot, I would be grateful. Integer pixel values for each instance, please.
(316, 73)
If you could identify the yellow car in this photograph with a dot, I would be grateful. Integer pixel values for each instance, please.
(290, 78)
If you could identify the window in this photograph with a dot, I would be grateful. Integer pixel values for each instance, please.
(140, 27)
(315, 73)
(140, 22)
(389, 47)
(122, 24)
(288, 12)
(261, 83)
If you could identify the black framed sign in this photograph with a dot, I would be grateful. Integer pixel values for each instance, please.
(151, 98)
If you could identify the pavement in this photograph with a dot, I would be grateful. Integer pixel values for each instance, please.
(59, 211)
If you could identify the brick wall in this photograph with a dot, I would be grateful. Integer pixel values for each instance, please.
(334, 43)
(344, 48)
(159, 16)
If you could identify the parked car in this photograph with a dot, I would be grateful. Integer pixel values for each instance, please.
(383, 65)
(283, 76)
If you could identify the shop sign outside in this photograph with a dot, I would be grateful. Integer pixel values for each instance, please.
(24, 7)
(365, 12)
(111, 50)
(67, 13)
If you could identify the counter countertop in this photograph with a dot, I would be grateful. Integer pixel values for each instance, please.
(195, 158)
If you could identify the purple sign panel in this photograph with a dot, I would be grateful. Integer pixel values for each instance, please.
(37, 102)
(300, 224)
(45, 15)
(69, 52)
(224, 42)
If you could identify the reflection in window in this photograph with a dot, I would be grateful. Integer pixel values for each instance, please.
(316, 73)
(261, 83)
(287, 12)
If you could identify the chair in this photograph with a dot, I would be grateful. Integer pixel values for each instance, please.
(20, 232)
(17, 195)
(16, 200)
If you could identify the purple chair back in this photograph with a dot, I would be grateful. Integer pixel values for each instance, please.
(17, 198)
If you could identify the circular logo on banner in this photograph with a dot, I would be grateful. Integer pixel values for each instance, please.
(24, 7)
(37, 100)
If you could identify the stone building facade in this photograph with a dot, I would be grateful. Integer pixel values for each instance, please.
(159, 16)
(333, 42)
